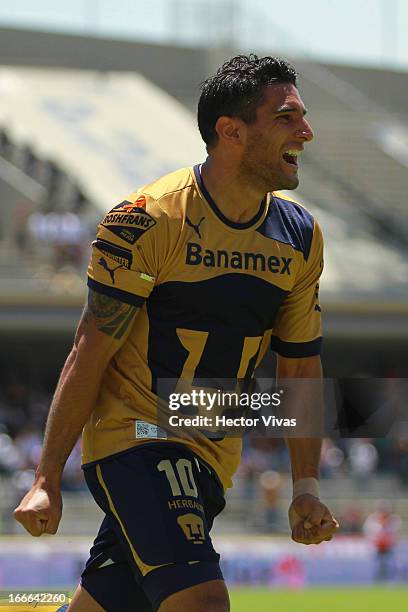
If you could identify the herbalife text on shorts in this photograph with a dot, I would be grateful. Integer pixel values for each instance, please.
(223, 399)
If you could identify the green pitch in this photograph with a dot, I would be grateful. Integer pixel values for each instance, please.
(375, 599)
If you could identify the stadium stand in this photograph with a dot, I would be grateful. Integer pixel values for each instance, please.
(110, 156)
(357, 132)
(377, 84)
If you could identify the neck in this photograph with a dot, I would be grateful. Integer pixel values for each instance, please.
(237, 198)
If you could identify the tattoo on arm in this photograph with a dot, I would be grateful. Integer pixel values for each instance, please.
(111, 316)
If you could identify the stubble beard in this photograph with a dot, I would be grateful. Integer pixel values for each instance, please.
(256, 172)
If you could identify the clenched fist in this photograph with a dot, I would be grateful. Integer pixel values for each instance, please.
(40, 511)
(311, 521)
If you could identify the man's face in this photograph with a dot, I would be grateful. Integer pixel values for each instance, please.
(280, 127)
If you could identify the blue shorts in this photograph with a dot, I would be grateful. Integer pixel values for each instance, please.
(160, 501)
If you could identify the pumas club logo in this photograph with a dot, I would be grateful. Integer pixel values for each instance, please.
(193, 527)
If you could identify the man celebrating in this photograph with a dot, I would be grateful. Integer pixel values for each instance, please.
(192, 277)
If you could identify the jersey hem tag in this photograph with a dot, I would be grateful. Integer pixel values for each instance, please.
(148, 430)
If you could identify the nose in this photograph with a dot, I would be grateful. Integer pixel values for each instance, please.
(305, 131)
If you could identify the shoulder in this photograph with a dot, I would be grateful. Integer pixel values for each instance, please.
(168, 194)
(158, 206)
(291, 223)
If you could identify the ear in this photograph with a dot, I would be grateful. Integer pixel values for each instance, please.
(230, 130)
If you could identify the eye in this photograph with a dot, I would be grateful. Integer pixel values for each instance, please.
(284, 118)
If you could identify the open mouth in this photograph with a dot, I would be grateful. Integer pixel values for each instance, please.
(290, 157)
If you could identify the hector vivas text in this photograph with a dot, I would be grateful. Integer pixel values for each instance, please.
(217, 401)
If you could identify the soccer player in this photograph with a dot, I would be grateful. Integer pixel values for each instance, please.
(192, 277)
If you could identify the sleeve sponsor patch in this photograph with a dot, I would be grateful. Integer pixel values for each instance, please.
(122, 257)
(129, 220)
(115, 252)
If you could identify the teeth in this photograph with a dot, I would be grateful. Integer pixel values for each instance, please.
(293, 152)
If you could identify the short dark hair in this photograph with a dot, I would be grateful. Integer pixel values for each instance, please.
(237, 89)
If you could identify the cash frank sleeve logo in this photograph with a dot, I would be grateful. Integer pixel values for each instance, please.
(129, 220)
(116, 257)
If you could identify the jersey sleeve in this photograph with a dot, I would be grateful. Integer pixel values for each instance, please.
(126, 254)
(297, 330)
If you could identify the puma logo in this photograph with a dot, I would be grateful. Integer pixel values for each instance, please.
(102, 262)
(195, 227)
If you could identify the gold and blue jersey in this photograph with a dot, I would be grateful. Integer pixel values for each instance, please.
(214, 295)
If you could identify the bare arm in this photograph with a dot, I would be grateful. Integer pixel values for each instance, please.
(310, 520)
(102, 330)
(304, 452)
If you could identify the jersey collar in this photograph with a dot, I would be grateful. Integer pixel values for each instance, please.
(240, 226)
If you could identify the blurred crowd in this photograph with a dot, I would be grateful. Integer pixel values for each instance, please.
(54, 228)
(23, 409)
(359, 460)
(24, 405)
